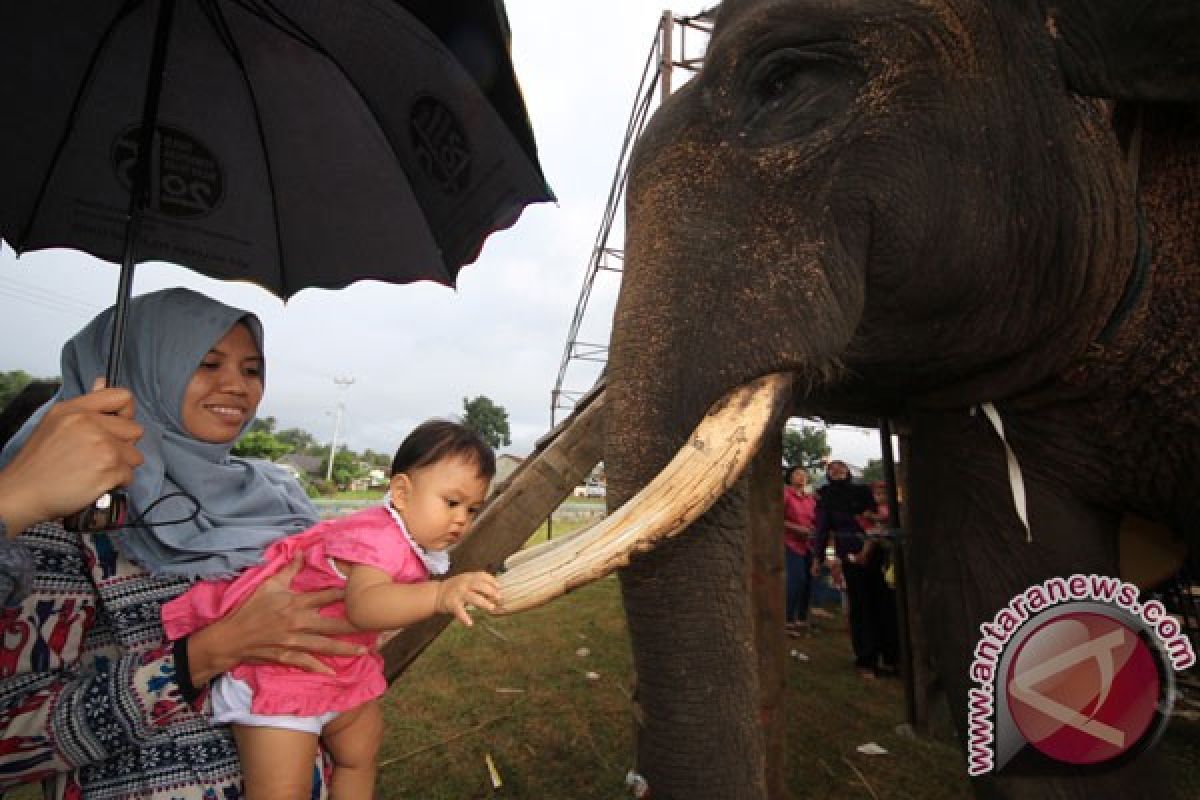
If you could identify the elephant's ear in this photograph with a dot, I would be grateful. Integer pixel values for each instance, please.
(1142, 50)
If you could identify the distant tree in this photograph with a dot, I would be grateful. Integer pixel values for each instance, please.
(260, 444)
(873, 471)
(382, 460)
(11, 384)
(805, 446)
(346, 466)
(264, 424)
(487, 419)
(300, 441)
(319, 487)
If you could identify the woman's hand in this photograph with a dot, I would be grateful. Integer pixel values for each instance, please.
(274, 625)
(82, 448)
(470, 588)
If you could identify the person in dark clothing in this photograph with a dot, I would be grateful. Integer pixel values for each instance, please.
(872, 611)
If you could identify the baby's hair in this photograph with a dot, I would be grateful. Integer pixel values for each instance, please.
(438, 439)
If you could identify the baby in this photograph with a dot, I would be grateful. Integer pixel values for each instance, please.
(384, 557)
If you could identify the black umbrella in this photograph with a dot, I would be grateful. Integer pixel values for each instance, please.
(291, 143)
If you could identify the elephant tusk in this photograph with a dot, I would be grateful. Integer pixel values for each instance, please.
(714, 457)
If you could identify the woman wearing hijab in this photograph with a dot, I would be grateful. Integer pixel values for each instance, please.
(840, 503)
(93, 701)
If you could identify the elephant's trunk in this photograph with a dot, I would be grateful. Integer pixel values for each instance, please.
(690, 618)
(693, 641)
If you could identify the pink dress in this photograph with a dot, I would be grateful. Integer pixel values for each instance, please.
(800, 509)
(370, 537)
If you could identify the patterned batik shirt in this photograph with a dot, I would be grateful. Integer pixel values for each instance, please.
(89, 702)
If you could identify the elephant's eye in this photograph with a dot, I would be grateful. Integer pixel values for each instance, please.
(791, 91)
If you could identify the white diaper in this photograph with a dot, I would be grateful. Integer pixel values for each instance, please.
(231, 699)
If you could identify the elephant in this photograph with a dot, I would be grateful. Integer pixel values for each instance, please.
(920, 210)
(975, 218)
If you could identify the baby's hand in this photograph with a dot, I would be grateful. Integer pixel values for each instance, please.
(471, 588)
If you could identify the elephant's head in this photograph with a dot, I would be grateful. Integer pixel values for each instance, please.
(886, 199)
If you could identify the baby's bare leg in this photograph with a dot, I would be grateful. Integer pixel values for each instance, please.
(277, 764)
(353, 742)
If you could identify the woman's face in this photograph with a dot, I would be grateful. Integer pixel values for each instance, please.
(837, 471)
(798, 480)
(226, 389)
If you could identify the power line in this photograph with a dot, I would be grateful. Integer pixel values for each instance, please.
(47, 298)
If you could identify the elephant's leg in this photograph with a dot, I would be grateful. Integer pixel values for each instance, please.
(689, 614)
(969, 540)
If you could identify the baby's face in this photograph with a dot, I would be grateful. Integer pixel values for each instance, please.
(440, 501)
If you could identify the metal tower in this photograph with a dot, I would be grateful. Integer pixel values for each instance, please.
(671, 48)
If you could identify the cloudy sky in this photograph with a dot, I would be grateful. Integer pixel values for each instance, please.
(415, 351)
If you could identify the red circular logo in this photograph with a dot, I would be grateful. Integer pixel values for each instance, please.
(1083, 688)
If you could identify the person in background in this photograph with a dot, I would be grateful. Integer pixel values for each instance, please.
(95, 702)
(879, 554)
(840, 506)
(875, 519)
(22, 406)
(799, 525)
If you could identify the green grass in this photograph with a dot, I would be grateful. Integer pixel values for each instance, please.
(365, 494)
(564, 736)
(518, 689)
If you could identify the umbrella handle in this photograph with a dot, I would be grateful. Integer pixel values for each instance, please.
(139, 186)
(107, 512)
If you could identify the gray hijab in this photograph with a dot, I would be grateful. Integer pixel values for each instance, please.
(244, 504)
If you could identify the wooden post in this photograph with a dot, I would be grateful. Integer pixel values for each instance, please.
(903, 616)
(922, 678)
(764, 527)
(562, 459)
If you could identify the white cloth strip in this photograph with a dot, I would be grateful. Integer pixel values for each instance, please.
(1015, 480)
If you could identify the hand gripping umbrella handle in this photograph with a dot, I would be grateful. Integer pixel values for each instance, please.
(107, 512)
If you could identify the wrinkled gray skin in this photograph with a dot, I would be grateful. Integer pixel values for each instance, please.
(914, 208)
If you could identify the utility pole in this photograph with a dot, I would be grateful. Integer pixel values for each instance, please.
(342, 383)
(666, 61)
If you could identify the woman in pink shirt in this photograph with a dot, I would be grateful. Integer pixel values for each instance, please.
(799, 522)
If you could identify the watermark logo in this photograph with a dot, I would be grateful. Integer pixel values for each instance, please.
(187, 180)
(1072, 671)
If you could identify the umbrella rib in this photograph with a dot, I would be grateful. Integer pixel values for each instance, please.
(101, 44)
(221, 25)
(295, 29)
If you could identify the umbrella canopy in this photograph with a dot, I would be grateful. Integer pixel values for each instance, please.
(295, 143)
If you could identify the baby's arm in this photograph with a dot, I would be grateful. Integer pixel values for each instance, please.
(375, 602)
